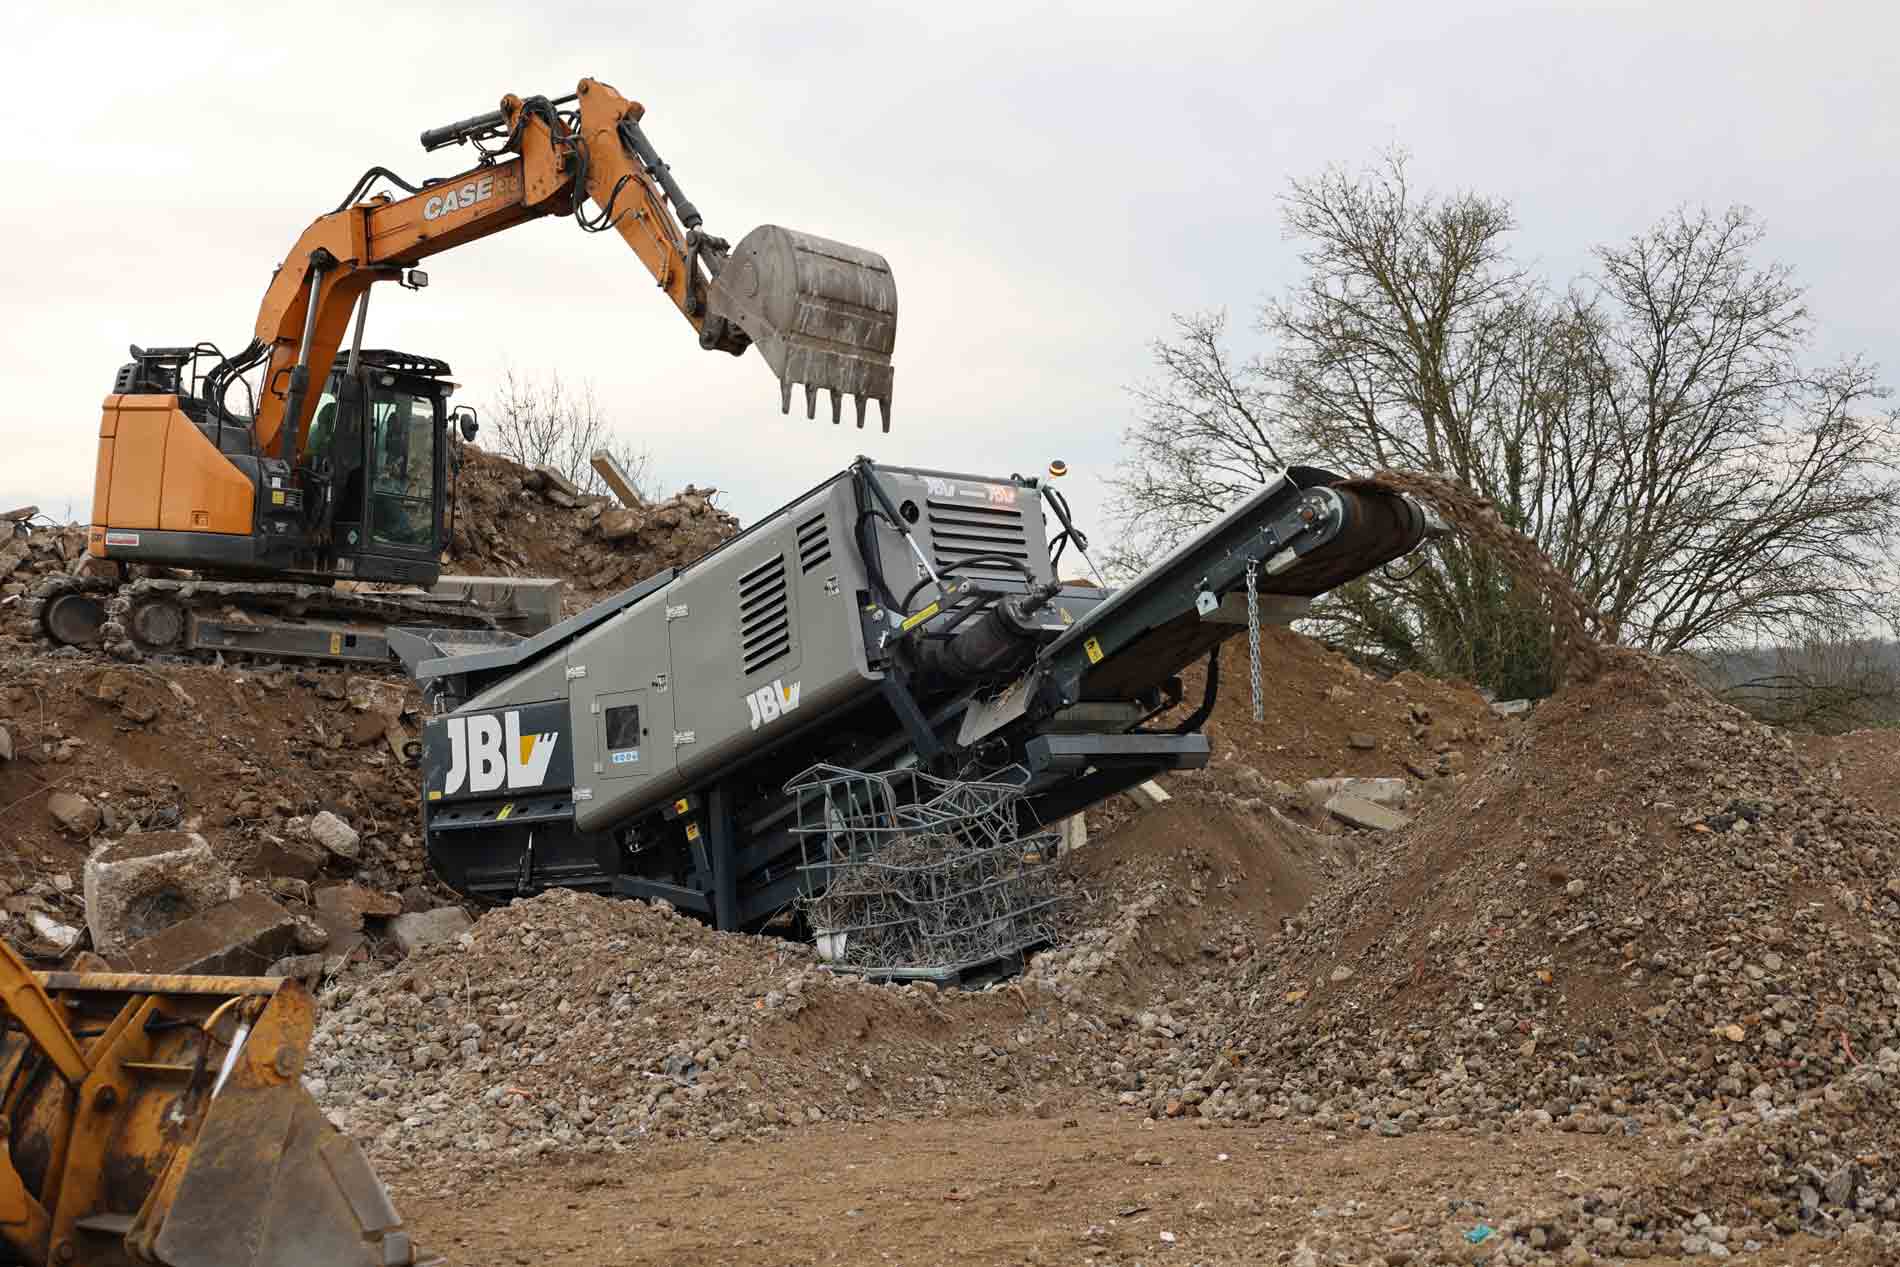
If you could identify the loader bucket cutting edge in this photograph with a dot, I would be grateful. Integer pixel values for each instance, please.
(822, 314)
(227, 1159)
(269, 1180)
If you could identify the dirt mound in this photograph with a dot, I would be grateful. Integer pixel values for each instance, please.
(514, 521)
(1645, 914)
(245, 758)
(1324, 716)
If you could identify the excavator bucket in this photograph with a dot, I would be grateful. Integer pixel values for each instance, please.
(162, 1119)
(821, 313)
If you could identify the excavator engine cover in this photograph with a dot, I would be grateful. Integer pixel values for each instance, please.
(820, 312)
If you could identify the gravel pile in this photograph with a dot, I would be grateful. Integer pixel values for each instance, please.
(573, 1023)
(1644, 915)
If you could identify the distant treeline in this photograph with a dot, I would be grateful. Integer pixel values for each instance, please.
(1824, 683)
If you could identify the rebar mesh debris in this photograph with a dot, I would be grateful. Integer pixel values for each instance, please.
(909, 875)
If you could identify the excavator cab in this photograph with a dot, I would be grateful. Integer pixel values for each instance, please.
(376, 459)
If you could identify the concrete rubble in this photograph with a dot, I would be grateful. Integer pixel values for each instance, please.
(241, 937)
(141, 885)
(422, 929)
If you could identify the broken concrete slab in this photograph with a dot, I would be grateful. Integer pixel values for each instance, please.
(74, 814)
(1357, 811)
(375, 695)
(59, 935)
(236, 938)
(621, 525)
(353, 903)
(293, 859)
(557, 482)
(429, 928)
(335, 835)
(1390, 792)
(1149, 794)
(143, 884)
(1072, 833)
(614, 478)
(1511, 707)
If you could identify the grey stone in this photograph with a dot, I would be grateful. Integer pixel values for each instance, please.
(1392, 793)
(74, 814)
(429, 928)
(1356, 811)
(1842, 1184)
(144, 884)
(1511, 707)
(305, 968)
(336, 835)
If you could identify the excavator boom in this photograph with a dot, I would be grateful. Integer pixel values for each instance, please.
(822, 314)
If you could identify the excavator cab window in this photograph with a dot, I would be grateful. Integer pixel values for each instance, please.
(402, 435)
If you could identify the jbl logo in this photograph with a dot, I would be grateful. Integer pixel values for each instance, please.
(486, 750)
(769, 703)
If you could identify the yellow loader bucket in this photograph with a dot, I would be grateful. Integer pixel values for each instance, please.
(161, 1119)
(821, 313)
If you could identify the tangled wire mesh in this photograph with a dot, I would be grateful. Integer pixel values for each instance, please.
(911, 875)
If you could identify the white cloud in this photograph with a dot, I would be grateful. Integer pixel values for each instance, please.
(1048, 181)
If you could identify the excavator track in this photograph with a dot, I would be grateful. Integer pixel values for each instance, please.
(68, 610)
(208, 619)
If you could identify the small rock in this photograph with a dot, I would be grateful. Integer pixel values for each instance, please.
(74, 814)
(1362, 741)
(336, 835)
(429, 928)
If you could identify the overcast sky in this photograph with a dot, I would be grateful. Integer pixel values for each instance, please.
(1048, 182)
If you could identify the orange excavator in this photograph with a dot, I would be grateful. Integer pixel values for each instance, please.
(338, 468)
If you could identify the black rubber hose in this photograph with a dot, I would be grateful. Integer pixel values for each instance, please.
(1028, 574)
(1196, 719)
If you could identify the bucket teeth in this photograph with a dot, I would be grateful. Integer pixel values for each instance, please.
(821, 313)
(858, 402)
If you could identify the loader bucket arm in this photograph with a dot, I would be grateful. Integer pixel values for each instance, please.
(162, 1119)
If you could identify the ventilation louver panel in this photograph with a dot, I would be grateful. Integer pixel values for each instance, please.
(765, 616)
(814, 544)
(959, 530)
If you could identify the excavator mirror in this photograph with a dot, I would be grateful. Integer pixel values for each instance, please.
(465, 418)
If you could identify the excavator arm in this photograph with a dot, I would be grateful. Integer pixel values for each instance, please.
(820, 312)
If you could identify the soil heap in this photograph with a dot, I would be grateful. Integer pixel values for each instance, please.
(511, 520)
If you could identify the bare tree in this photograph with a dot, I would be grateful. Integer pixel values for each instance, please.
(1654, 427)
(1832, 680)
(544, 422)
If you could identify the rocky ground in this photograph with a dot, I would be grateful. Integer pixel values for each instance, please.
(1618, 982)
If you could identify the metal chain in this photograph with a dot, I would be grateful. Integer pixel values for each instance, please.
(1253, 638)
